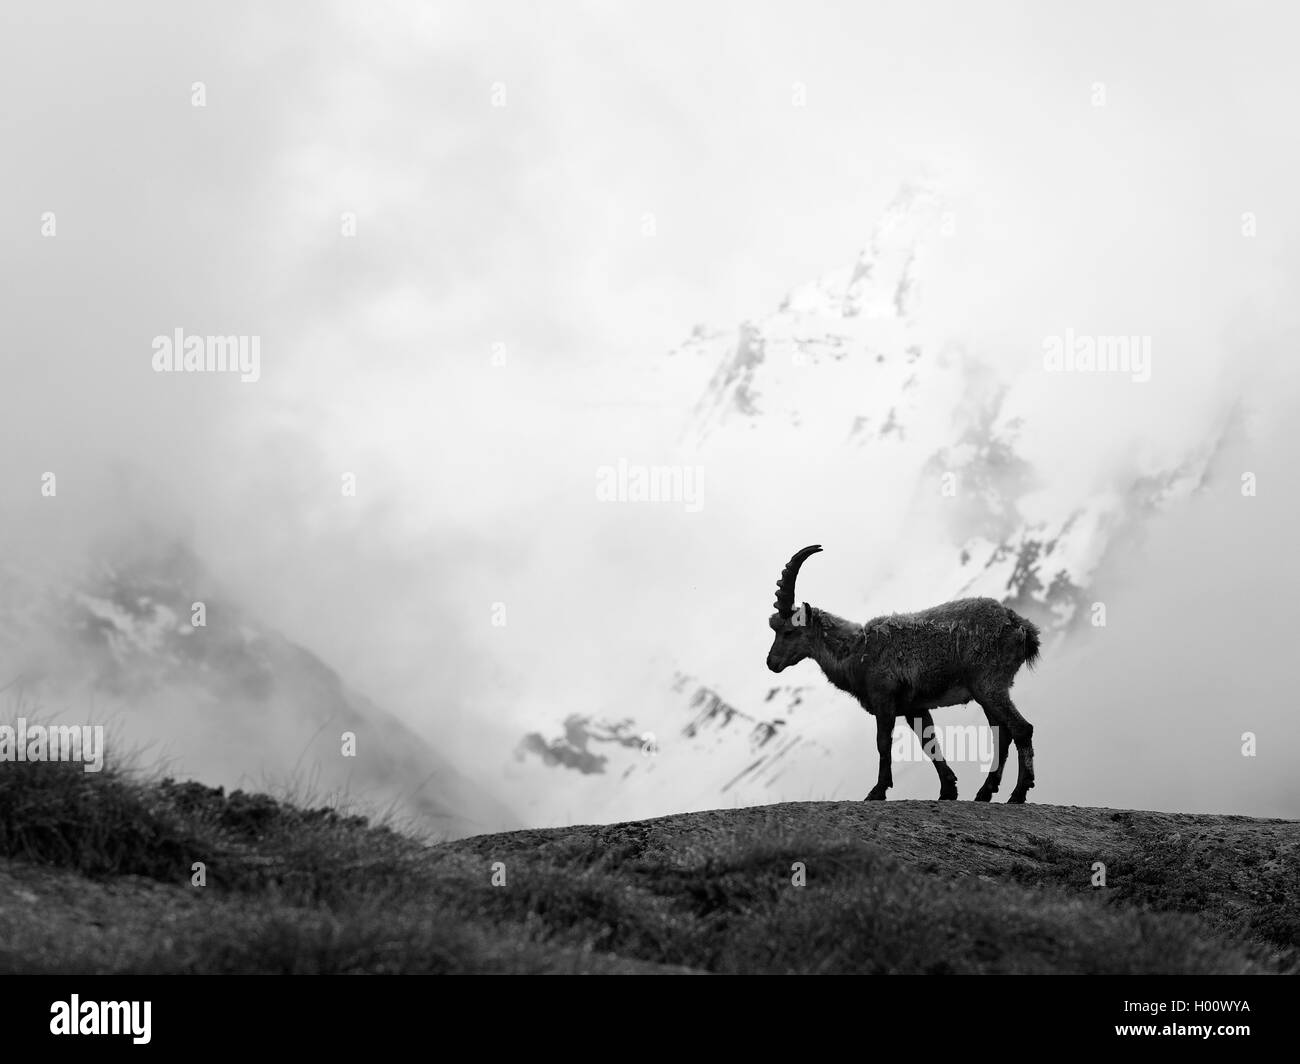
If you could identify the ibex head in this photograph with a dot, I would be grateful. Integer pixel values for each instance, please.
(795, 629)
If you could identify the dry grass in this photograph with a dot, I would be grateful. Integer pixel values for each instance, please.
(95, 876)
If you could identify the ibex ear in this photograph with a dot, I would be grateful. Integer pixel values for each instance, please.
(809, 616)
(802, 617)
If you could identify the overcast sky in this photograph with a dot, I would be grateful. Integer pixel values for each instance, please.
(523, 225)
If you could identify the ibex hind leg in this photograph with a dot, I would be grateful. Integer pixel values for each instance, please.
(994, 779)
(997, 704)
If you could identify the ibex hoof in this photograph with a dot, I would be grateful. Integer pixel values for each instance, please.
(983, 796)
(1017, 798)
(948, 794)
(877, 795)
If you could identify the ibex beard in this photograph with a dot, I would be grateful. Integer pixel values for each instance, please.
(906, 664)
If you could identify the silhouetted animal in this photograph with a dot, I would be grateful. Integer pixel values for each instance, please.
(907, 664)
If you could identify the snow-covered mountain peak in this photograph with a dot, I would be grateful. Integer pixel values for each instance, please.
(850, 373)
(841, 359)
(143, 640)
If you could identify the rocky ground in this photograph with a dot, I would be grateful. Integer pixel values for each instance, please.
(100, 873)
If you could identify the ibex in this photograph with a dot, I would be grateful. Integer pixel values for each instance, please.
(907, 664)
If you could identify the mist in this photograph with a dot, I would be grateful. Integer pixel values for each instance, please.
(493, 332)
(1179, 700)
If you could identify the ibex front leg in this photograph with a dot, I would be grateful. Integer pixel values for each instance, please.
(884, 747)
(923, 725)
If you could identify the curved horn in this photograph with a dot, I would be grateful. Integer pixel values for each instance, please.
(785, 586)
